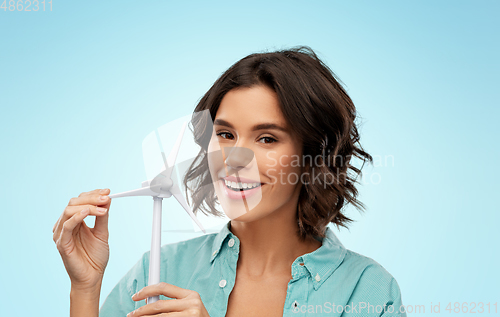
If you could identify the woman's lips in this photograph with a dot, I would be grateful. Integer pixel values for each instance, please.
(239, 194)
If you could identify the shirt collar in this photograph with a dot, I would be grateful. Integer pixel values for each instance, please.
(219, 239)
(320, 263)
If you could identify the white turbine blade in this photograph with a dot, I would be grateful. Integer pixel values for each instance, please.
(185, 205)
(135, 192)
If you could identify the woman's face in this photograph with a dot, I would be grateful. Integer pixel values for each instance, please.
(257, 149)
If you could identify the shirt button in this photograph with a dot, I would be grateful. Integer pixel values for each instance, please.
(317, 278)
(295, 305)
(222, 283)
(231, 242)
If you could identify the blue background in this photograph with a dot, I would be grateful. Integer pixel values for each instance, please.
(83, 84)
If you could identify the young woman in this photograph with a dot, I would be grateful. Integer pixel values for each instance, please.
(278, 157)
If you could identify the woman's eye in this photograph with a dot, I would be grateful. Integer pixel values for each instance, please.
(271, 140)
(224, 133)
(229, 136)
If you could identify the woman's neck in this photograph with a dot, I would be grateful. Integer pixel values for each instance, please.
(269, 246)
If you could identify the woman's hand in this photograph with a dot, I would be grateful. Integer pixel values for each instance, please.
(84, 250)
(186, 302)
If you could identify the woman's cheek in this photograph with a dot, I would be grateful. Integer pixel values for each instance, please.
(291, 169)
(268, 165)
(272, 176)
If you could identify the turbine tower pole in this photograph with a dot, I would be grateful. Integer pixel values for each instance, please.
(154, 256)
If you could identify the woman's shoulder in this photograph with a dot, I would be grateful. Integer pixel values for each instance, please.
(372, 284)
(365, 269)
(353, 279)
(352, 264)
(357, 277)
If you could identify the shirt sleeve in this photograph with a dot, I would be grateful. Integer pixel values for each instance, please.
(119, 301)
(377, 294)
(394, 304)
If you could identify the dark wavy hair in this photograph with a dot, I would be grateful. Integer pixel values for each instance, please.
(323, 118)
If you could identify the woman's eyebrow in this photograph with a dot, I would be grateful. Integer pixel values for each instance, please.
(260, 126)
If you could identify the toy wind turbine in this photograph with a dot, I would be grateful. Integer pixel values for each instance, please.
(161, 187)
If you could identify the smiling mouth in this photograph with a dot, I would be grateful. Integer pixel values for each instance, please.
(240, 187)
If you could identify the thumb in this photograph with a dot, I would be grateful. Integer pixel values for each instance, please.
(100, 229)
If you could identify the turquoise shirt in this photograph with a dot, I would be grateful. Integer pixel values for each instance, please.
(330, 281)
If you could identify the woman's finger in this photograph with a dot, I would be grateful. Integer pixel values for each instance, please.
(95, 191)
(64, 243)
(70, 211)
(94, 210)
(100, 229)
(162, 306)
(172, 314)
(164, 289)
(91, 199)
(86, 198)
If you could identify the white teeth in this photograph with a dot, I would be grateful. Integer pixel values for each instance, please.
(240, 185)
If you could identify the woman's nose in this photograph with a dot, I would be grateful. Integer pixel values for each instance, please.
(237, 157)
